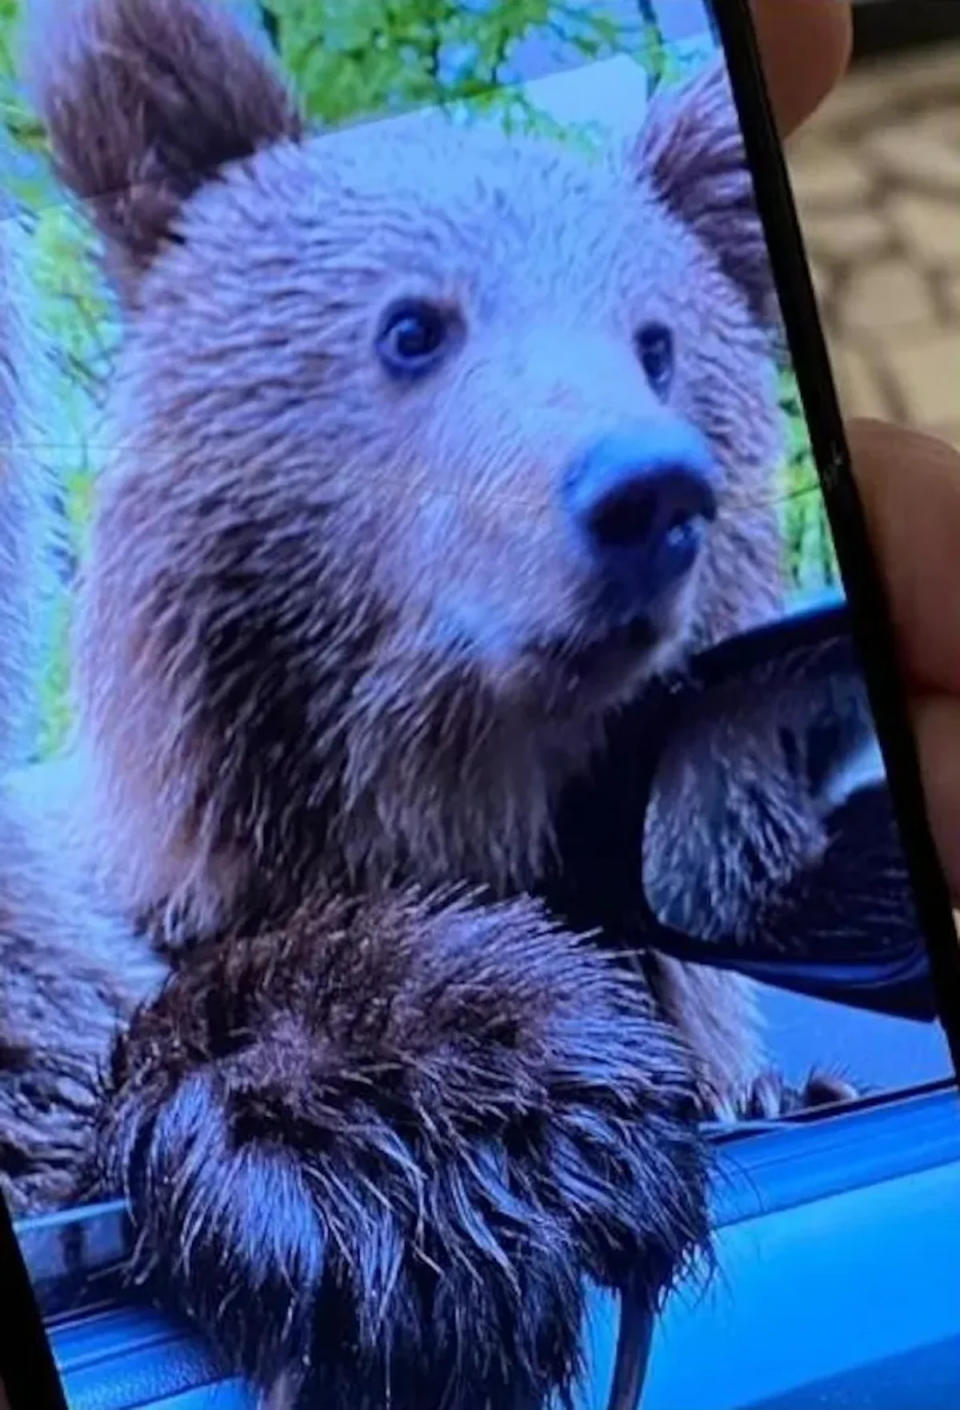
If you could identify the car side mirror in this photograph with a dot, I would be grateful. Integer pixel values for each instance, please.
(739, 818)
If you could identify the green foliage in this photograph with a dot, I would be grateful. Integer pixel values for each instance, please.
(377, 57)
(383, 56)
(668, 64)
(15, 116)
(74, 313)
(810, 560)
(348, 60)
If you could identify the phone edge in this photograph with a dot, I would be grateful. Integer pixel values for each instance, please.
(866, 595)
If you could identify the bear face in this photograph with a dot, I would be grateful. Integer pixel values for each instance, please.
(431, 447)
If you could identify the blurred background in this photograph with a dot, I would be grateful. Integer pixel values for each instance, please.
(877, 178)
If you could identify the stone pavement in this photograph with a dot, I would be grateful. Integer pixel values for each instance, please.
(877, 179)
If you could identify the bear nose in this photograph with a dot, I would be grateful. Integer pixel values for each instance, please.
(643, 500)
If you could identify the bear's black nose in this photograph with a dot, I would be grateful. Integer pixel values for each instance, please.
(642, 500)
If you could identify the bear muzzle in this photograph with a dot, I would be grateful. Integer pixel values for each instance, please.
(641, 502)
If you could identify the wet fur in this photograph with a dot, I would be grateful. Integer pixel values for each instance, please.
(290, 711)
(413, 1128)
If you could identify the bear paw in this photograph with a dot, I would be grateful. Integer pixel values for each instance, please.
(377, 1156)
(770, 1096)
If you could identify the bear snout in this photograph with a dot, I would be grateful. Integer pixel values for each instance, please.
(642, 500)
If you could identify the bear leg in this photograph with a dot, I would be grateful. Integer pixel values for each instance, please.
(379, 1156)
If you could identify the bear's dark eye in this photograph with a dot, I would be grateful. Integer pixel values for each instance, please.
(414, 337)
(656, 350)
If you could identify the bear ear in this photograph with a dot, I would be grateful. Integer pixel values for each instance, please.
(691, 150)
(144, 100)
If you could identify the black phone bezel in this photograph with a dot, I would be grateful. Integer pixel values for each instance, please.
(28, 1371)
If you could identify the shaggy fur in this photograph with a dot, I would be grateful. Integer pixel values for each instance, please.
(409, 1130)
(71, 973)
(737, 840)
(336, 639)
(180, 123)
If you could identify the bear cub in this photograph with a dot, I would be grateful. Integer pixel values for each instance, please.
(431, 449)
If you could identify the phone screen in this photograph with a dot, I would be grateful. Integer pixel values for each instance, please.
(469, 934)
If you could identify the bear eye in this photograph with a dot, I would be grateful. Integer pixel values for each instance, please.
(414, 337)
(657, 355)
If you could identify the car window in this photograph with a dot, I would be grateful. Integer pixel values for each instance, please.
(875, 1053)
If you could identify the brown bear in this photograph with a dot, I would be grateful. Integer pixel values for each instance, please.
(438, 750)
(430, 449)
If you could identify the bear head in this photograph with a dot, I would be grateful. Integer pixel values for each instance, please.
(429, 446)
